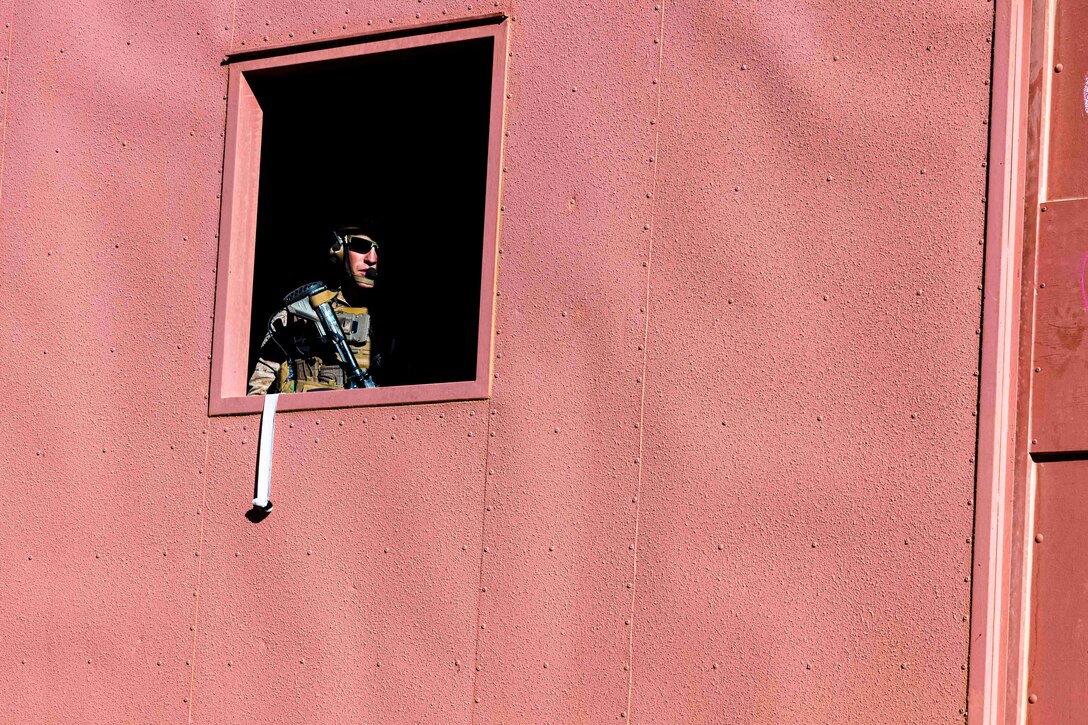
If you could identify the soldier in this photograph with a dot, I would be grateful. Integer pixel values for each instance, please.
(295, 357)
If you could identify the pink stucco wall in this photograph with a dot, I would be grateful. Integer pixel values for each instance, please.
(726, 474)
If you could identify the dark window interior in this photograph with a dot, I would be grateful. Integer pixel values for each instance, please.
(395, 143)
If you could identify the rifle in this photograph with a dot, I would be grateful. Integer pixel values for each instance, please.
(312, 302)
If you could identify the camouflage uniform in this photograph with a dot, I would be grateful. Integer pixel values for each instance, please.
(293, 359)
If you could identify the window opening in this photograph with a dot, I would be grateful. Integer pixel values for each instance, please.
(394, 145)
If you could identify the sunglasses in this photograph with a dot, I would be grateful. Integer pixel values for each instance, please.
(359, 243)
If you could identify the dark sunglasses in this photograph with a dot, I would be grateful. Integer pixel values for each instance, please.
(360, 244)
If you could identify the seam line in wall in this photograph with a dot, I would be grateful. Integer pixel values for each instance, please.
(645, 353)
(7, 95)
(505, 59)
(233, 17)
(480, 577)
(199, 572)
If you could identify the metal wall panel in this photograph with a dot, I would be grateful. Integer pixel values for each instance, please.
(1058, 685)
(1053, 389)
(554, 621)
(356, 599)
(108, 209)
(1068, 111)
(805, 521)
(1060, 373)
(551, 555)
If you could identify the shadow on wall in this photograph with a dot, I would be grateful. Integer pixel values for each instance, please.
(396, 143)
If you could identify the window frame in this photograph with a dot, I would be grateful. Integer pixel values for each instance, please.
(238, 224)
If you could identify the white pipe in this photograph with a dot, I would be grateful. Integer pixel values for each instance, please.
(264, 455)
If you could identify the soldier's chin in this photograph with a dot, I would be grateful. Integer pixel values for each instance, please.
(362, 280)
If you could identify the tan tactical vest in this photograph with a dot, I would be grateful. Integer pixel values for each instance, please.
(313, 373)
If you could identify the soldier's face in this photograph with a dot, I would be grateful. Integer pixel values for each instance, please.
(358, 263)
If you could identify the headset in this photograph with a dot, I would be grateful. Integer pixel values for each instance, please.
(341, 235)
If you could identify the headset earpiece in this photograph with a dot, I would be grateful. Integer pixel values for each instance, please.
(336, 251)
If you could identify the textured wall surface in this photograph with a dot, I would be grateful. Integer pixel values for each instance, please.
(727, 469)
